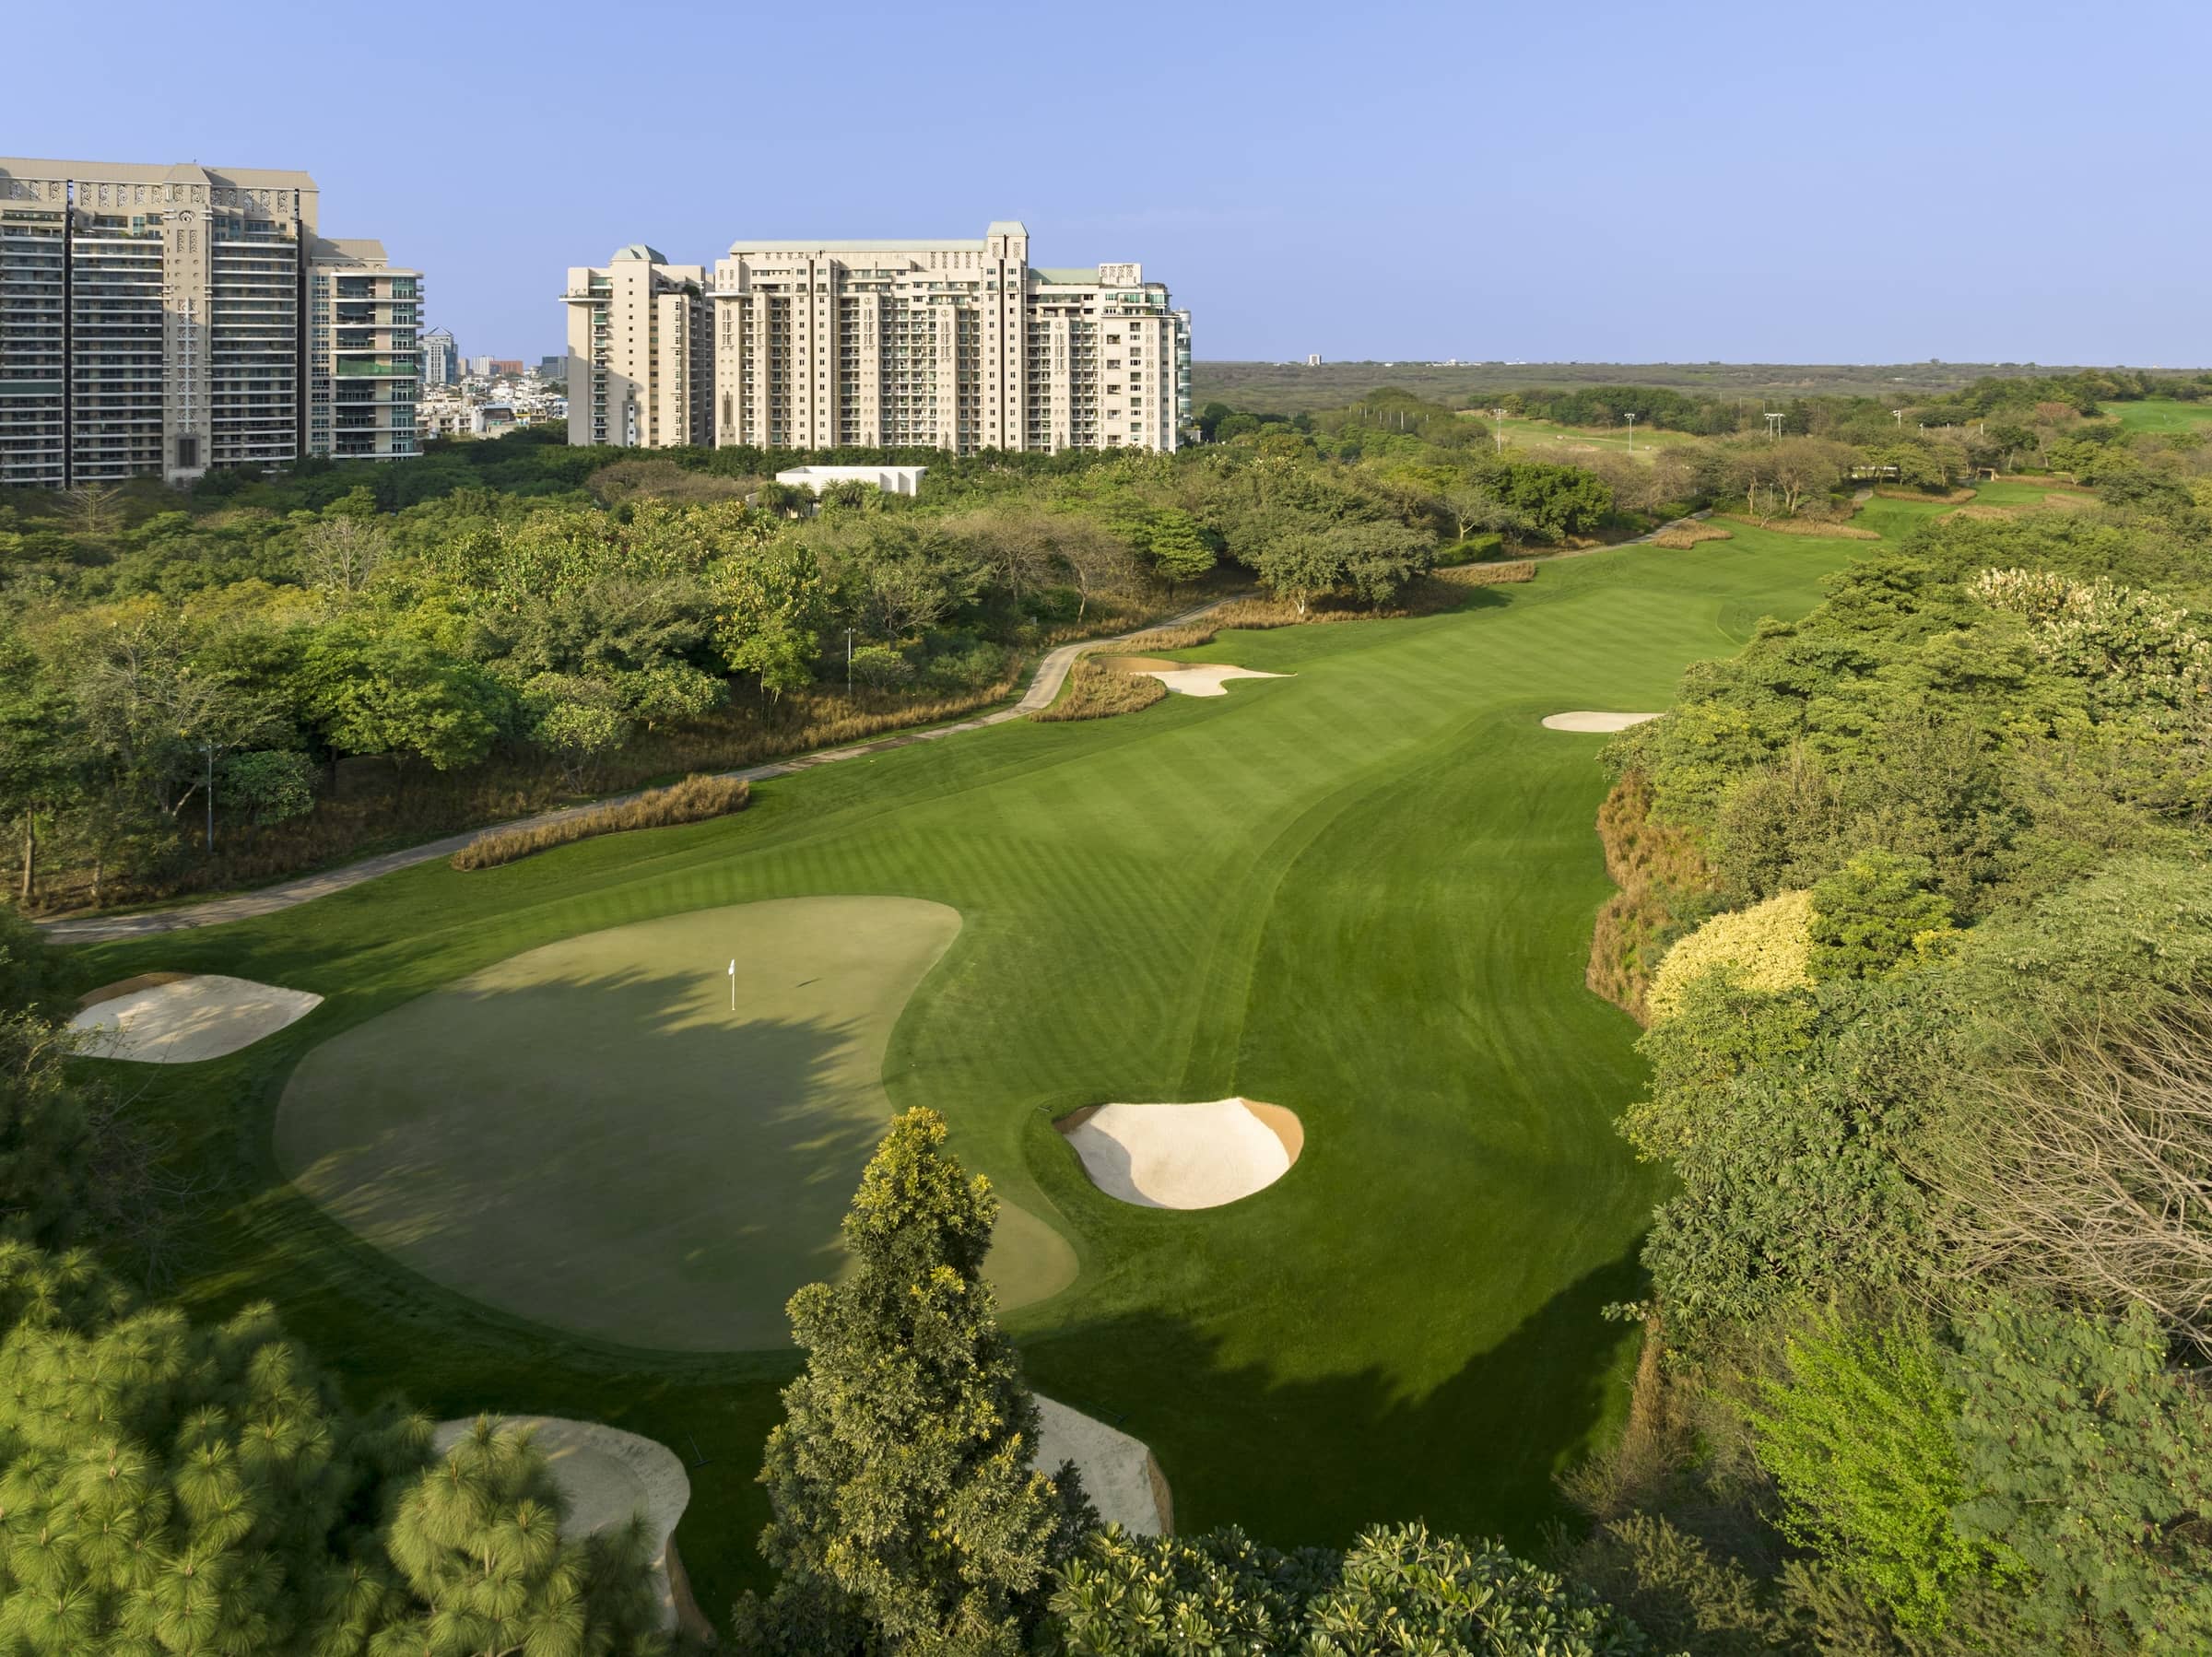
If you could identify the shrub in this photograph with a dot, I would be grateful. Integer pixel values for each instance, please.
(1664, 883)
(1806, 526)
(1859, 1440)
(2134, 647)
(25, 968)
(1947, 497)
(693, 800)
(1467, 551)
(1097, 691)
(1681, 536)
(1397, 1589)
(2090, 1463)
(1873, 913)
(1488, 575)
(1767, 948)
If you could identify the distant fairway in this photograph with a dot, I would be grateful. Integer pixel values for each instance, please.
(1540, 439)
(1363, 892)
(587, 1135)
(2161, 414)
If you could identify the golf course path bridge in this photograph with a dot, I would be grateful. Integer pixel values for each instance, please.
(1044, 685)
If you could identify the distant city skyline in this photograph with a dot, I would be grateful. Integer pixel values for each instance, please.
(1727, 181)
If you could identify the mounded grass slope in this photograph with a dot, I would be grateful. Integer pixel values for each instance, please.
(1363, 893)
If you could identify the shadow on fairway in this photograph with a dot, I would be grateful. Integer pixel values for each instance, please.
(677, 1207)
(1476, 1455)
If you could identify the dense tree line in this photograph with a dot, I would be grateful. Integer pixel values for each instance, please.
(186, 675)
(1934, 1292)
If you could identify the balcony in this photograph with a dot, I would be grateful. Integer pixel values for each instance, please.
(378, 367)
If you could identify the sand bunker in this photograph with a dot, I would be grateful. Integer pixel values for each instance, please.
(1119, 1475)
(1583, 721)
(182, 1017)
(1190, 679)
(607, 1475)
(1184, 1156)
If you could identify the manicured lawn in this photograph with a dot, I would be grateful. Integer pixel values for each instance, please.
(2161, 414)
(1363, 891)
(621, 1141)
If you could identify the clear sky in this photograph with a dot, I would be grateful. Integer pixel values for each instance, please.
(1775, 182)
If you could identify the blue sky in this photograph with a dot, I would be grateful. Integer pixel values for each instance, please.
(1684, 181)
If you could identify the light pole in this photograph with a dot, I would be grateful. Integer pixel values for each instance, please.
(209, 746)
(848, 664)
(1498, 428)
(1631, 434)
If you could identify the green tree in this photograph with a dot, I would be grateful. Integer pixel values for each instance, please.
(171, 1488)
(37, 777)
(270, 785)
(1301, 567)
(476, 1540)
(1557, 502)
(1178, 547)
(1859, 1439)
(1875, 913)
(1398, 1589)
(398, 695)
(1381, 558)
(907, 1514)
(770, 608)
(2089, 1462)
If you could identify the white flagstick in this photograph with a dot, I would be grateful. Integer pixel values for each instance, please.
(732, 985)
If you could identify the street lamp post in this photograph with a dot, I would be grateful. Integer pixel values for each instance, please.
(848, 664)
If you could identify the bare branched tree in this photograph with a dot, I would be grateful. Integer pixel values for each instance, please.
(2088, 1169)
(340, 556)
(93, 509)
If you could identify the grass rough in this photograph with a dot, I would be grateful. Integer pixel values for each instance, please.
(1097, 691)
(694, 800)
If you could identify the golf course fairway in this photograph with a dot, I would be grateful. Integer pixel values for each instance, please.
(558, 1178)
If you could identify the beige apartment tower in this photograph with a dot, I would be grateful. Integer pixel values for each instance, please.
(156, 321)
(641, 361)
(943, 344)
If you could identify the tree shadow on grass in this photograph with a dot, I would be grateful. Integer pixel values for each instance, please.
(1312, 1461)
(605, 1157)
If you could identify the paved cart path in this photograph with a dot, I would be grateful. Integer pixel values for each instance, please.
(1044, 685)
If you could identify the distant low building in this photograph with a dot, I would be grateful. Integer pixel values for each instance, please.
(891, 480)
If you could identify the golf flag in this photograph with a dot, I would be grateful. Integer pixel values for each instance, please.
(732, 983)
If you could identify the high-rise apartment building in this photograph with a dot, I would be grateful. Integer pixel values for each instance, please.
(156, 321)
(441, 358)
(364, 361)
(642, 353)
(945, 345)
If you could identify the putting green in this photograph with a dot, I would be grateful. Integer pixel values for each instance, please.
(586, 1135)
